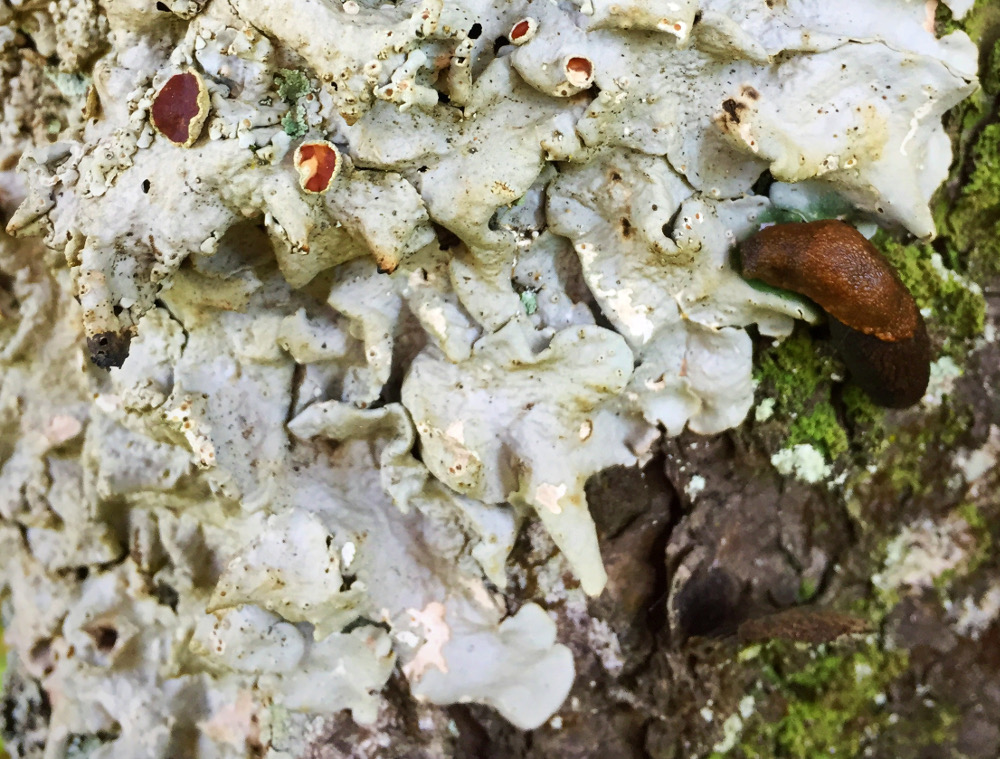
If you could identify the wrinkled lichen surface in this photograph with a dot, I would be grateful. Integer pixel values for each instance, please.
(299, 491)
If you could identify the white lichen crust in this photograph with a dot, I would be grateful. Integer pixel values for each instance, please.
(335, 410)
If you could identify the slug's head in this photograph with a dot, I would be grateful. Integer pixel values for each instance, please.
(833, 264)
(875, 322)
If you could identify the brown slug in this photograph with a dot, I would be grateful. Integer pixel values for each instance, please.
(804, 625)
(894, 374)
(874, 321)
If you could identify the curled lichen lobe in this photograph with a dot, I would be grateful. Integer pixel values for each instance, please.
(180, 108)
(833, 264)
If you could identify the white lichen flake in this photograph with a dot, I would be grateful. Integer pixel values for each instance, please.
(944, 373)
(924, 551)
(395, 233)
(803, 461)
(694, 487)
(764, 410)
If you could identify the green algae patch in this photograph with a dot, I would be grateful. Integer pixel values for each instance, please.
(984, 547)
(907, 462)
(915, 461)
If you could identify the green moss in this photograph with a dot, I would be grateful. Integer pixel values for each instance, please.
(3, 671)
(967, 209)
(798, 373)
(821, 428)
(973, 220)
(957, 305)
(292, 84)
(807, 589)
(828, 701)
(983, 549)
(793, 371)
(865, 419)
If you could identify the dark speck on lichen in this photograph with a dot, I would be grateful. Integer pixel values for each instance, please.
(108, 349)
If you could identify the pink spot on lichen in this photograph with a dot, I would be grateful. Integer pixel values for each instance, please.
(180, 108)
(318, 163)
(436, 634)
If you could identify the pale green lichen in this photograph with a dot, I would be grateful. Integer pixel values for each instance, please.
(293, 85)
(294, 122)
(529, 301)
(944, 372)
(924, 554)
(732, 728)
(764, 410)
(694, 487)
(930, 555)
(70, 85)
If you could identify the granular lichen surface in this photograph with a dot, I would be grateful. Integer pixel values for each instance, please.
(341, 470)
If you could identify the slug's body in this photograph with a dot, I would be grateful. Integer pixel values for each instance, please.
(874, 320)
